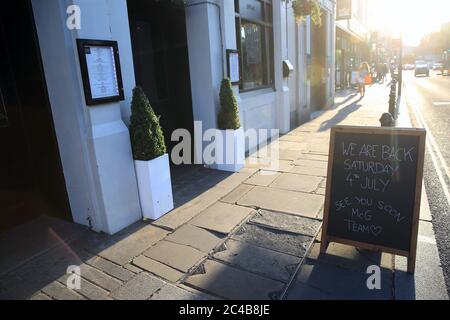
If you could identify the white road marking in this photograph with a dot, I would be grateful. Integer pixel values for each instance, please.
(441, 103)
(435, 154)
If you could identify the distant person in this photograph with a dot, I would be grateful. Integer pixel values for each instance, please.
(379, 69)
(385, 71)
(363, 72)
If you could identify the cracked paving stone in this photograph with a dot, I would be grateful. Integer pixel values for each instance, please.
(287, 222)
(177, 256)
(171, 292)
(275, 265)
(141, 287)
(278, 240)
(232, 283)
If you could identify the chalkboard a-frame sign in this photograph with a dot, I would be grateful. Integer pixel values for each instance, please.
(374, 189)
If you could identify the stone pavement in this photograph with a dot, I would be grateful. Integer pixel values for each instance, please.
(249, 235)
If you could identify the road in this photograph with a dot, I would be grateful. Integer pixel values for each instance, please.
(428, 100)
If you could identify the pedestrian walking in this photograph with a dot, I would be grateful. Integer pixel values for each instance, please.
(363, 72)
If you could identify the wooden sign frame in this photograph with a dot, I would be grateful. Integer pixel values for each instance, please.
(326, 239)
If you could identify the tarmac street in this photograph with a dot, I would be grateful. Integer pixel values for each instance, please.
(428, 102)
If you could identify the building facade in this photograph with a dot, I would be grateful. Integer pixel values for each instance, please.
(352, 39)
(177, 52)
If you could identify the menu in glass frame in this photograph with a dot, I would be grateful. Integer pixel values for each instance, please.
(100, 68)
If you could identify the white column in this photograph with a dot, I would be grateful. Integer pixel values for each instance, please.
(280, 54)
(94, 141)
(206, 49)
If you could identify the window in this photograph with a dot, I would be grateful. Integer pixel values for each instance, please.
(254, 28)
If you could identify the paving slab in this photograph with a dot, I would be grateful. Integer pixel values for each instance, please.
(171, 292)
(311, 163)
(319, 172)
(292, 145)
(288, 154)
(97, 277)
(131, 243)
(40, 297)
(296, 182)
(89, 290)
(324, 281)
(321, 191)
(269, 263)
(157, 268)
(428, 281)
(132, 268)
(189, 210)
(425, 212)
(277, 240)
(237, 193)
(177, 256)
(287, 222)
(349, 257)
(262, 178)
(221, 217)
(313, 156)
(33, 239)
(31, 277)
(141, 287)
(195, 237)
(283, 200)
(110, 268)
(57, 291)
(232, 283)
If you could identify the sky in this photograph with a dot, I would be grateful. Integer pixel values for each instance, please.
(413, 18)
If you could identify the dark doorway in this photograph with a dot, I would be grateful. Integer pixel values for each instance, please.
(161, 63)
(319, 65)
(31, 177)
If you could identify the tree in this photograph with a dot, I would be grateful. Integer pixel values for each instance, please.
(147, 138)
(228, 114)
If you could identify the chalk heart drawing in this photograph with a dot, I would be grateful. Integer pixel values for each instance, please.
(376, 230)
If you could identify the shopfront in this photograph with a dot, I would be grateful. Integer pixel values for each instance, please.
(78, 155)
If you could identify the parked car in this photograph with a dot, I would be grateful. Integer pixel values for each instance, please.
(408, 66)
(438, 66)
(421, 68)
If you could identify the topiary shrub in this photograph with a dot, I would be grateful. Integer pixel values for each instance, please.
(147, 138)
(228, 117)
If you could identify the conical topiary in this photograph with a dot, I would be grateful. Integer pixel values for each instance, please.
(147, 138)
(228, 114)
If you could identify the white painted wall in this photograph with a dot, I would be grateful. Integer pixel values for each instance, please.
(94, 141)
(261, 109)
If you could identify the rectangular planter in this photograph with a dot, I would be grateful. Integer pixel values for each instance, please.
(232, 151)
(155, 187)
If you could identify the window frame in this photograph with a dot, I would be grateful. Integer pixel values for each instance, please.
(267, 45)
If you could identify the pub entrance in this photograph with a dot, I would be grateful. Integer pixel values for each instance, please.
(31, 178)
(161, 62)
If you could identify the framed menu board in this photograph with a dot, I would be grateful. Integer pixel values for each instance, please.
(233, 66)
(100, 70)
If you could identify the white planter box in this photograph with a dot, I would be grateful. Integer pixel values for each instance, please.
(155, 187)
(230, 156)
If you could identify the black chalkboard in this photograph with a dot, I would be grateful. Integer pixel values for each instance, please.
(373, 188)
